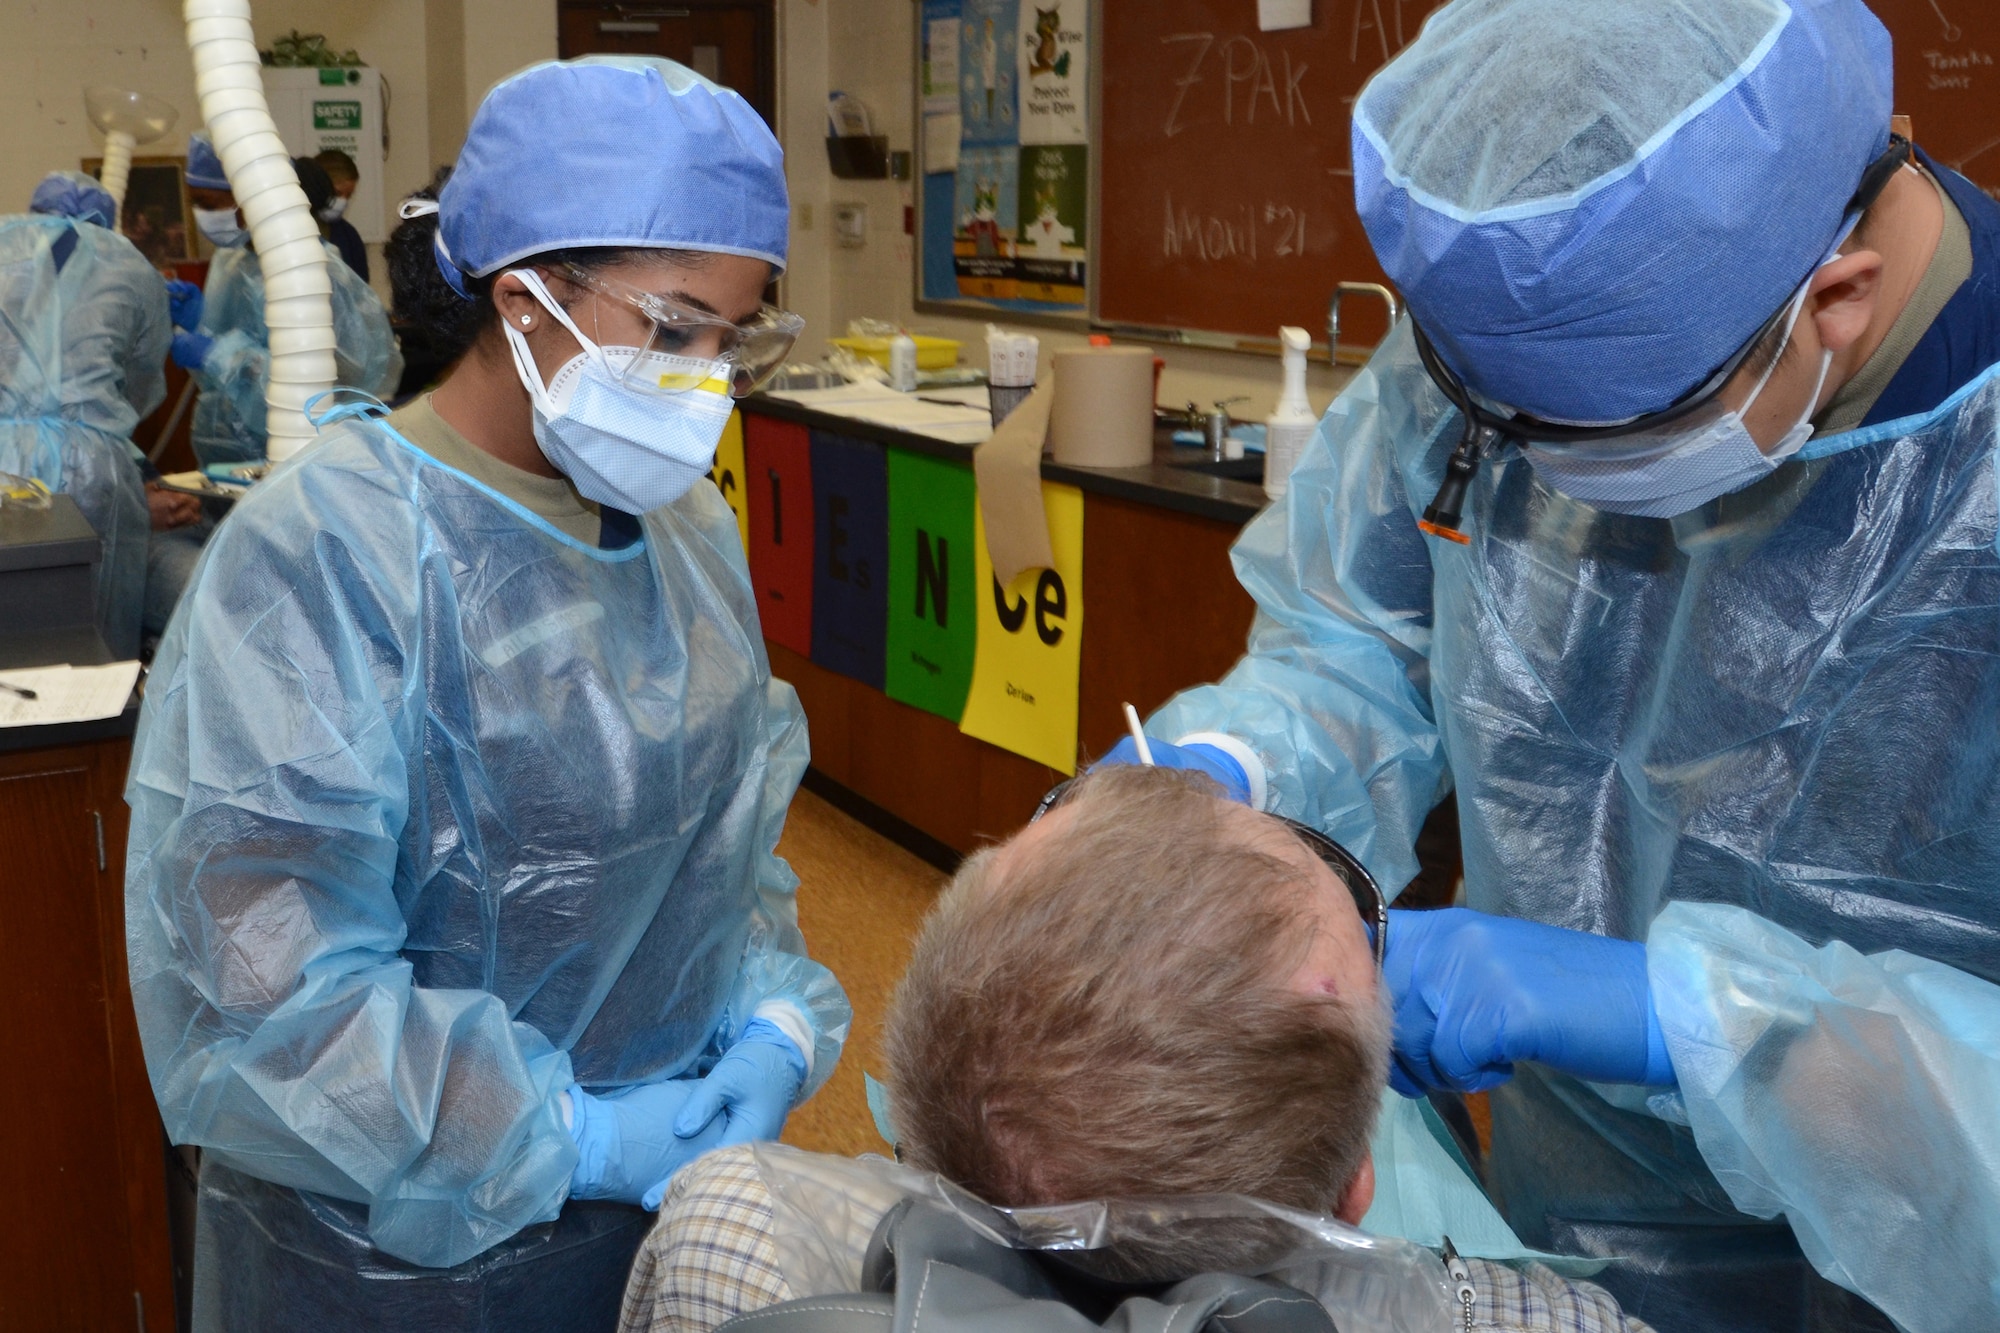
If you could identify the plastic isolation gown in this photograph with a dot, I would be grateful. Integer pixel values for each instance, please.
(433, 810)
(83, 347)
(229, 418)
(1738, 734)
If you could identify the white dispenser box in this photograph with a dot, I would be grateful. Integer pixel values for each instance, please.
(317, 109)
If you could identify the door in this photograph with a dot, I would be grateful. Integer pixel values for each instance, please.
(733, 42)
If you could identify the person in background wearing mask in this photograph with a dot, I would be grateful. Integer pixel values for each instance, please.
(340, 169)
(83, 338)
(1664, 533)
(227, 347)
(457, 923)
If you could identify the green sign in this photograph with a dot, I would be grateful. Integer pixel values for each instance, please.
(933, 617)
(336, 115)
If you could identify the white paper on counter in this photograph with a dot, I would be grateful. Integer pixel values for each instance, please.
(66, 693)
(882, 405)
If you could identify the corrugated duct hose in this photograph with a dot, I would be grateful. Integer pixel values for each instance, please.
(298, 289)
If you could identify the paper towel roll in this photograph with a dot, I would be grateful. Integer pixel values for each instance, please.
(1103, 414)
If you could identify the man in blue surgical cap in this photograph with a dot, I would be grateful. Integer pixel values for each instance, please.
(83, 343)
(457, 924)
(1662, 539)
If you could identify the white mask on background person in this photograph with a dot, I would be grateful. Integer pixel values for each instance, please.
(333, 210)
(219, 225)
(621, 447)
(1675, 473)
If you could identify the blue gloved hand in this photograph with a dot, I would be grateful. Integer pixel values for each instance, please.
(627, 1150)
(190, 350)
(749, 1092)
(1474, 993)
(1196, 758)
(184, 302)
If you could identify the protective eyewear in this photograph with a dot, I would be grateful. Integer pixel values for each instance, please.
(1361, 885)
(753, 349)
(1486, 431)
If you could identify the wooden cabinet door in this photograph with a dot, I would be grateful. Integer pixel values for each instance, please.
(83, 1231)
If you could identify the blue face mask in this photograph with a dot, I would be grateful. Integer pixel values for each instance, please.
(1667, 474)
(632, 449)
(219, 225)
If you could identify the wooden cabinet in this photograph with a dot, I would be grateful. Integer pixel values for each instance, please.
(83, 1231)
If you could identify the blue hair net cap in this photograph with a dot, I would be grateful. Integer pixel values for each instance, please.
(612, 151)
(72, 194)
(204, 168)
(1591, 207)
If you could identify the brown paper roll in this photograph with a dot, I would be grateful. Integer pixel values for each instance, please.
(1103, 415)
(1008, 467)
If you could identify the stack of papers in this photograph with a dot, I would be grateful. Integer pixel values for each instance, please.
(882, 405)
(65, 693)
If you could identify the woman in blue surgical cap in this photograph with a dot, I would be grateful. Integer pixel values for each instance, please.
(456, 924)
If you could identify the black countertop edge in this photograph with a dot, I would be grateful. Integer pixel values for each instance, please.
(54, 735)
(1179, 489)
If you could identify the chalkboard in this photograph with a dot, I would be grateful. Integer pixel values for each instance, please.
(1225, 195)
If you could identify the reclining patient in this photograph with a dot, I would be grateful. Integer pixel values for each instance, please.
(1150, 991)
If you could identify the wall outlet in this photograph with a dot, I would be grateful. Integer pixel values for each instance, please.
(850, 225)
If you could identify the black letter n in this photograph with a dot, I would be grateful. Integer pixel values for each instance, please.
(934, 577)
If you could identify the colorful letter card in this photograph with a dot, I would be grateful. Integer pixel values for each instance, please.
(933, 619)
(1024, 675)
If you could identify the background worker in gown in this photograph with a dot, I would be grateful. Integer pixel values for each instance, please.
(82, 362)
(456, 924)
(222, 341)
(1700, 638)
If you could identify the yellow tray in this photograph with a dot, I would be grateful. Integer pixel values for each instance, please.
(932, 353)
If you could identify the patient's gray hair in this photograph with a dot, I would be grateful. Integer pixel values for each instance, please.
(1107, 1013)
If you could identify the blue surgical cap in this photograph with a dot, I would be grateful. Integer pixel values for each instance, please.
(72, 194)
(204, 168)
(1589, 207)
(612, 151)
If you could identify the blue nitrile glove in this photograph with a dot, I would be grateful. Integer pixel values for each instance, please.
(1474, 993)
(184, 303)
(626, 1147)
(1195, 758)
(190, 350)
(749, 1092)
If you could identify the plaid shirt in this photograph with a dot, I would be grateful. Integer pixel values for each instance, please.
(711, 1258)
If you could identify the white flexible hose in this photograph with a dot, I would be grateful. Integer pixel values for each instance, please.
(116, 172)
(298, 289)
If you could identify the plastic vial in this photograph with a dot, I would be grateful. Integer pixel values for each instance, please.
(903, 363)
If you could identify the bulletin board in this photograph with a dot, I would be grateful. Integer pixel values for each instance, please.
(1004, 157)
(1220, 199)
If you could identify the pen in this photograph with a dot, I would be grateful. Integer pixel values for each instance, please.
(1138, 735)
(30, 694)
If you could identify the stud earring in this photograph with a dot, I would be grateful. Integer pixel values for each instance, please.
(527, 319)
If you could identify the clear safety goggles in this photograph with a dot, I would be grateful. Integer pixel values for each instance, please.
(752, 350)
(1361, 885)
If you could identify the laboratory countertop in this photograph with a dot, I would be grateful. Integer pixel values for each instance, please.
(1167, 483)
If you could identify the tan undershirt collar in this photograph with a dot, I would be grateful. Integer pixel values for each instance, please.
(1950, 267)
(553, 499)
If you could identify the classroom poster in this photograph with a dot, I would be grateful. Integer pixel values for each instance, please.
(727, 474)
(779, 488)
(986, 215)
(1054, 175)
(850, 600)
(932, 630)
(1025, 669)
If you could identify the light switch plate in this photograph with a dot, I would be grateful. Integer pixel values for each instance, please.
(850, 225)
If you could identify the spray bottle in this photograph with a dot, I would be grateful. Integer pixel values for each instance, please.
(1288, 430)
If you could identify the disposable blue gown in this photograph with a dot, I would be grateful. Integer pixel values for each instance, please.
(1759, 727)
(83, 349)
(229, 418)
(433, 810)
